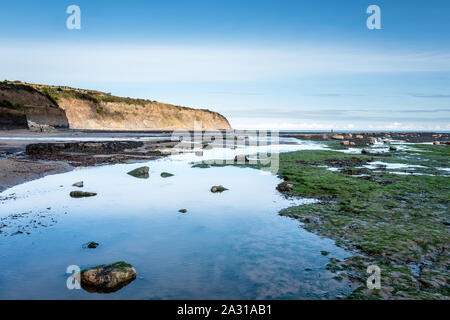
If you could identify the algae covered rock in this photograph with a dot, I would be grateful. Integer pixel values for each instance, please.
(166, 175)
(108, 278)
(141, 173)
(285, 187)
(81, 194)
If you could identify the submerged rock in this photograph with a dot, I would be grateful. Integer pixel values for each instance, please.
(182, 210)
(392, 148)
(141, 173)
(218, 189)
(108, 278)
(166, 175)
(81, 194)
(78, 184)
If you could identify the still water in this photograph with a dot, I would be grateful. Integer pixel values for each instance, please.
(232, 245)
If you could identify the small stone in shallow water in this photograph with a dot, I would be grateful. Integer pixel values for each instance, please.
(182, 210)
(78, 184)
(91, 245)
(81, 194)
(218, 189)
(324, 253)
(141, 173)
(166, 175)
(108, 278)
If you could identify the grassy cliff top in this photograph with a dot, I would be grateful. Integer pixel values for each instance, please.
(56, 93)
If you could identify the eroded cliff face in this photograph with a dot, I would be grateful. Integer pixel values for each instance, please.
(20, 101)
(85, 114)
(89, 109)
(12, 119)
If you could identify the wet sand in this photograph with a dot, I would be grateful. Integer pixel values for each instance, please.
(15, 171)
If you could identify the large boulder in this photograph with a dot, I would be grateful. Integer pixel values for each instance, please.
(108, 278)
(337, 137)
(141, 172)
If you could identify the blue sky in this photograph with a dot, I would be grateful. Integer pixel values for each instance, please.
(263, 64)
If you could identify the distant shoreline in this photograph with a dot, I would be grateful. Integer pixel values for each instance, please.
(230, 130)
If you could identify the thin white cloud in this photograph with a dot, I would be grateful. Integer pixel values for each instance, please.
(121, 63)
(326, 125)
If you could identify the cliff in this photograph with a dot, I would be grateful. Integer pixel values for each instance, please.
(25, 102)
(88, 109)
(12, 119)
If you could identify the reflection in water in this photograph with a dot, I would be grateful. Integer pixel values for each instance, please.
(231, 245)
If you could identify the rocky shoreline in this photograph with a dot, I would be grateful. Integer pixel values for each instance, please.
(397, 222)
(367, 138)
(21, 162)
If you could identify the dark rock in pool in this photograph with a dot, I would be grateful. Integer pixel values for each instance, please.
(218, 189)
(324, 253)
(81, 194)
(285, 187)
(91, 245)
(392, 148)
(166, 175)
(108, 278)
(182, 210)
(78, 184)
(85, 147)
(141, 173)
